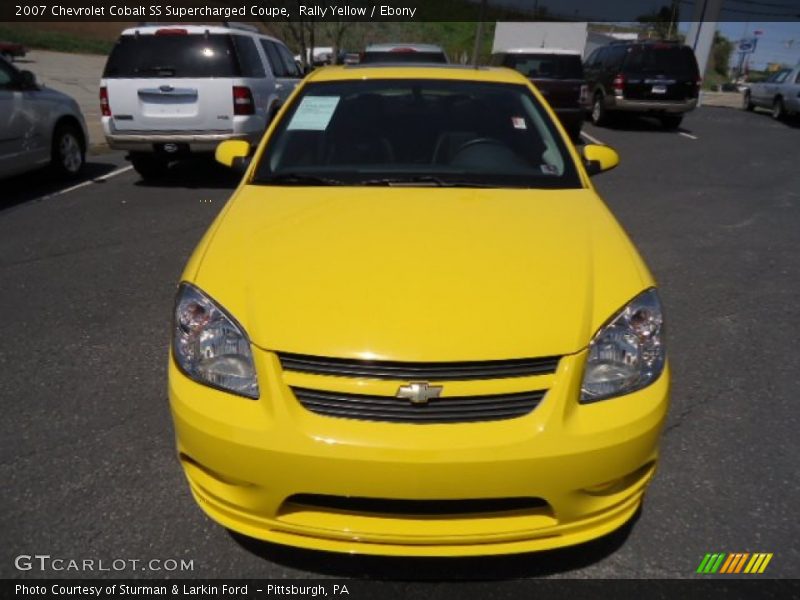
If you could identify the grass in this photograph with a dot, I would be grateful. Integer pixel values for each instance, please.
(55, 40)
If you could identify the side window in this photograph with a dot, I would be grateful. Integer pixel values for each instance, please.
(780, 77)
(615, 57)
(248, 56)
(288, 61)
(602, 55)
(592, 60)
(797, 79)
(274, 58)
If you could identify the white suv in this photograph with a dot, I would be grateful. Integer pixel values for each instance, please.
(169, 91)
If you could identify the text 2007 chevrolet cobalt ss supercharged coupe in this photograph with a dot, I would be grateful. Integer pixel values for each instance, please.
(415, 328)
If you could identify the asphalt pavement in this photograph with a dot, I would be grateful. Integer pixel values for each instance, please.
(87, 278)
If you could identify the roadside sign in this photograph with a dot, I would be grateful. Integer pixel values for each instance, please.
(748, 46)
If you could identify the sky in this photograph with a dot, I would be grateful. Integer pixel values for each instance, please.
(773, 43)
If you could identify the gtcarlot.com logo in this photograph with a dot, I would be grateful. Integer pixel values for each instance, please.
(46, 562)
(721, 563)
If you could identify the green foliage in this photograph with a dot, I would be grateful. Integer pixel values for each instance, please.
(53, 40)
(721, 54)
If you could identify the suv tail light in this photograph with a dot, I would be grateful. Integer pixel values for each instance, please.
(619, 82)
(243, 103)
(105, 108)
(584, 97)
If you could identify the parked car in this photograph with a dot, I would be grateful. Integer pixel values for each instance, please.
(416, 329)
(12, 50)
(171, 91)
(558, 74)
(780, 93)
(654, 78)
(403, 53)
(39, 126)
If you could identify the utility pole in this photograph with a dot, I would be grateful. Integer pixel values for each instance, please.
(478, 34)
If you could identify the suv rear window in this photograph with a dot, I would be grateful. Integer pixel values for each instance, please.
(404, 56)
(677, 61)
(136, 56)
(546, 66)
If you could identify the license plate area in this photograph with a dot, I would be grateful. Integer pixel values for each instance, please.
(659, 89)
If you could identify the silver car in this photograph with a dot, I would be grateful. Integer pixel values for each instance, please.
(780, 93)
(38, 126)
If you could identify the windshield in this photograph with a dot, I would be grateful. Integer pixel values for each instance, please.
(417, 132)
(546, 66)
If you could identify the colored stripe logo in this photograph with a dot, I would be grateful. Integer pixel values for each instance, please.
(733, 563)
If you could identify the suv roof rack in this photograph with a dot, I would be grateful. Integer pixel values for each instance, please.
(627, 42)
(228, 24)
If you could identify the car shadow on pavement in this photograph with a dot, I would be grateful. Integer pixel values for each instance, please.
(483, 568)
(40, 184)
(632, 122)
(195, 173)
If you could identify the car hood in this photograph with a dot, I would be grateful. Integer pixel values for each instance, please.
(418, 274)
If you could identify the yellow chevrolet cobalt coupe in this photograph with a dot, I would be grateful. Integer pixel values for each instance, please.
(415, 328)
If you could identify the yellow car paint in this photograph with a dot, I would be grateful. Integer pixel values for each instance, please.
(418, 274)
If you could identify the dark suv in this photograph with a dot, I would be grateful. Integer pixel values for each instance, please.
(558, 74)
(657, 78)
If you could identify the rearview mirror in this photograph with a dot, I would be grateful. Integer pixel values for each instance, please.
(598, 159)
(234, 154)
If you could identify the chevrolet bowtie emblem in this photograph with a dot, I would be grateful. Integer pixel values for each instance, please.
(419, 392)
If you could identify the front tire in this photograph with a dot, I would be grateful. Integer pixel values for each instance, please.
(747, 102)
(68, 152)
(778, 110)
(148, 166)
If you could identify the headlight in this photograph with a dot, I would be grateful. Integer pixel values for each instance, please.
(209, 346)
(628, 353)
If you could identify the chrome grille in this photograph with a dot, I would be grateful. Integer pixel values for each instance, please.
(438, 410)
(428, 371)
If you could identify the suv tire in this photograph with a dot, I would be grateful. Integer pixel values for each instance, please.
(671, 121)
(68, 151)
(149, 166)
(599, 113)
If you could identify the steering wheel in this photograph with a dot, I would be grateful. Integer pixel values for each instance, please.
(480, 141)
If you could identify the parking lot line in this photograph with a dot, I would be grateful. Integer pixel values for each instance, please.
(688, 135)
(105, 177)
(593, 139)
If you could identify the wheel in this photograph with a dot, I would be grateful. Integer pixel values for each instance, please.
(747, 101)
(68, 152)
(149, 166)
(778, 110)
(671, 121)
(599, 112)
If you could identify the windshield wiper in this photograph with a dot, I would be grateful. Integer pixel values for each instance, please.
(297, 179)
(422, 180)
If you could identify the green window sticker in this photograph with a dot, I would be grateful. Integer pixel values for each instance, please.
(314, 113)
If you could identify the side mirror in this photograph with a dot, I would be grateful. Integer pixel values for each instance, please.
(598, 159)
(27, 81)
(234, 154)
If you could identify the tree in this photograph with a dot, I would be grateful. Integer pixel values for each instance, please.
(721, 54)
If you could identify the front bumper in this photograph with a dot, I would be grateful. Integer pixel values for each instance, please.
(247, 460)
